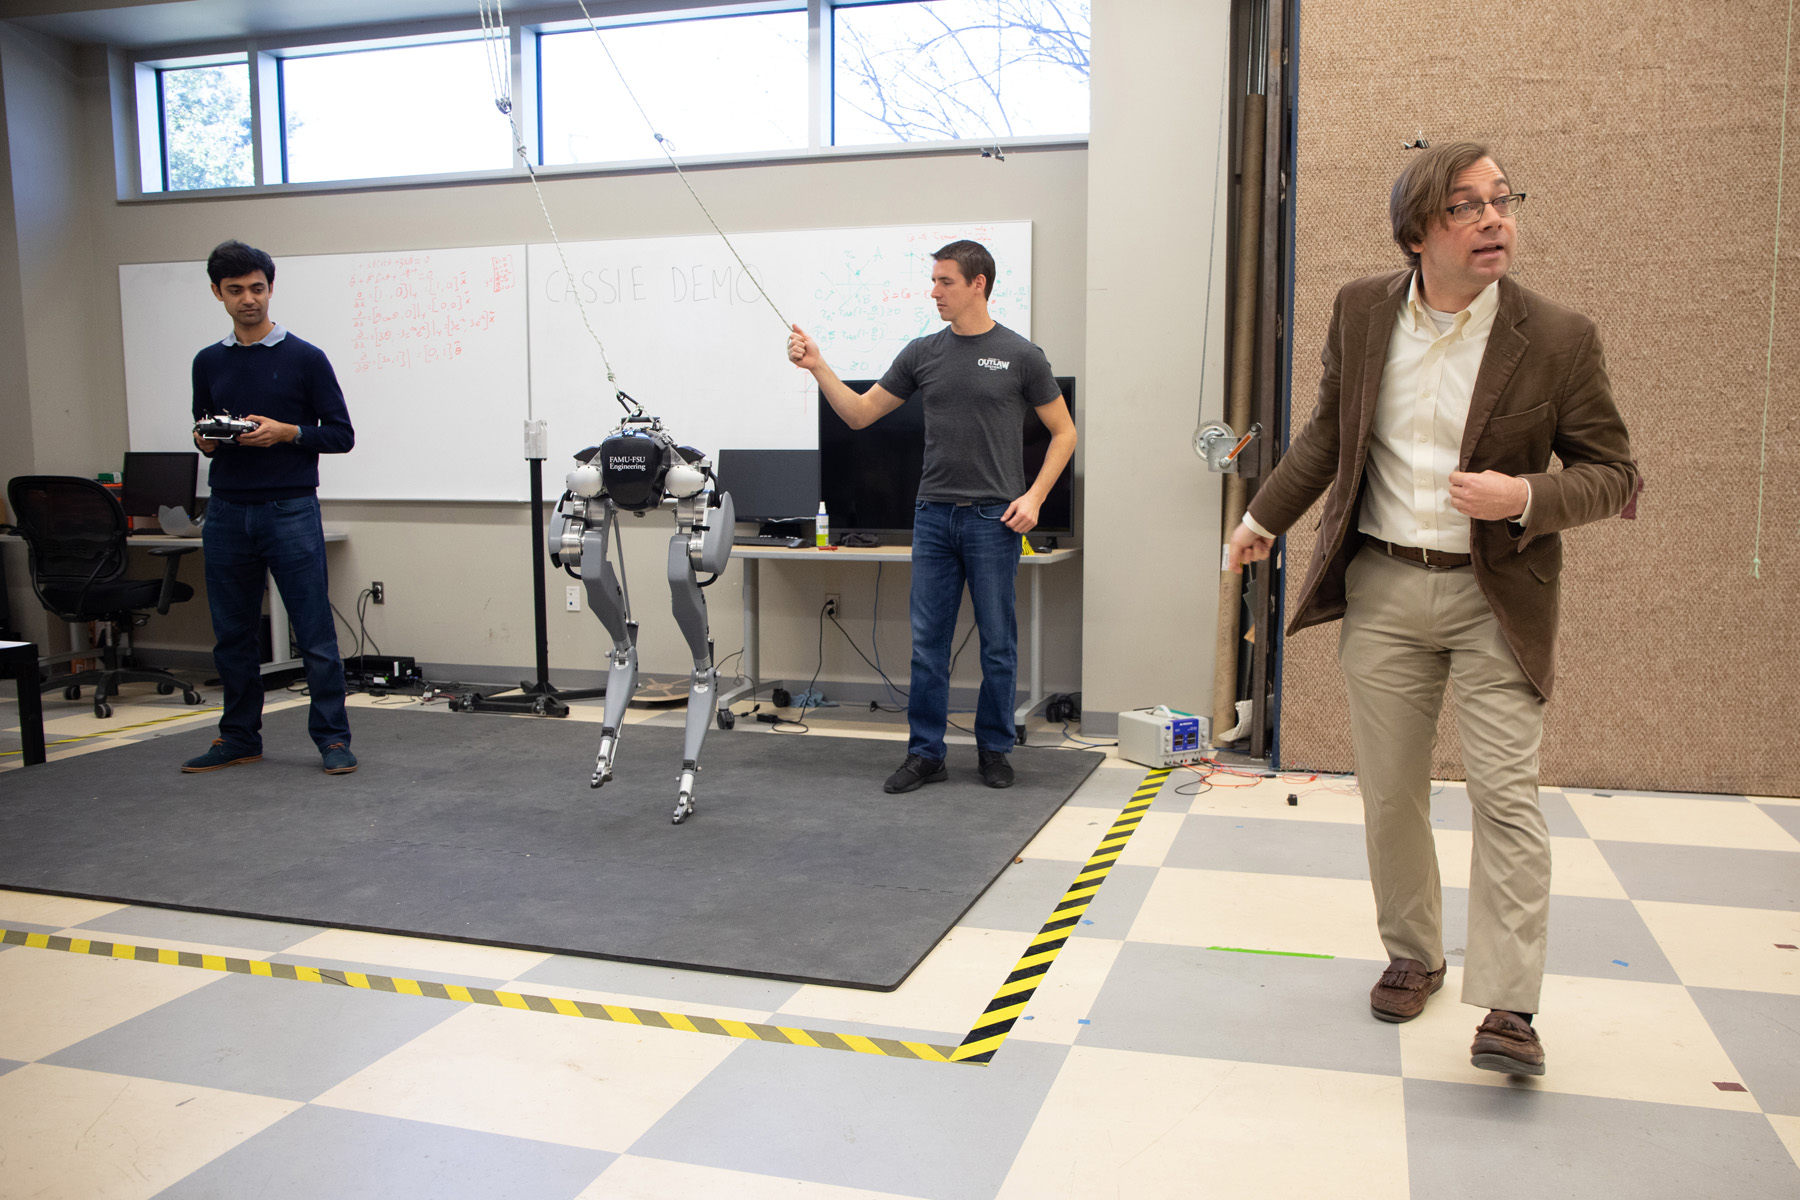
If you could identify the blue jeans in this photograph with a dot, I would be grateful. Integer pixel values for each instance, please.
(954, 544)
(285, 539)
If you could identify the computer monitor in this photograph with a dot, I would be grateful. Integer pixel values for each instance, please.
(771, 486)
(159, 478)
(869, 477)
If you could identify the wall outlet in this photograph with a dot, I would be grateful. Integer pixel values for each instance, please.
(572, 597)
(378, 592)
(831, 605)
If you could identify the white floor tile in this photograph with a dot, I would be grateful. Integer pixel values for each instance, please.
(1621, 1039)
(560, 1079)
(86, 1135)
(1147, 1126)
(947, 992)
(634, 1178)
(52, 998)
(1675, 821)
(425, 956)
(1292, 913)
(1714, 946)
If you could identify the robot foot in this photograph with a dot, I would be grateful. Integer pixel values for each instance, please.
(603, 762)
(684, 799)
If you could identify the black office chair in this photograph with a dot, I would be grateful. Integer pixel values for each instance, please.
(75, 530)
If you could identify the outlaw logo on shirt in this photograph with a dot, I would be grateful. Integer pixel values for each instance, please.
(993, 364)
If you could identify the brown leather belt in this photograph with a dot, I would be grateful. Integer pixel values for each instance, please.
(1435, 560)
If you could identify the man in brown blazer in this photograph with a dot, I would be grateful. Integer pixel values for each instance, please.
(1447, 388)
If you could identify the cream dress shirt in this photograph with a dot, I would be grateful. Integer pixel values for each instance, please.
(1420, 412)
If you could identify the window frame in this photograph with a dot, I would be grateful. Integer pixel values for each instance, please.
(145, 145)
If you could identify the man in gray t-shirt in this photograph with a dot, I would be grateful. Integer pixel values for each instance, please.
(976, 379)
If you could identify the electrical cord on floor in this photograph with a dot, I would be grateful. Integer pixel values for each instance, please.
(799, 724)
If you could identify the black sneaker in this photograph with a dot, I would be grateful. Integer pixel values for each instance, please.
(915, 771)
(996, 768)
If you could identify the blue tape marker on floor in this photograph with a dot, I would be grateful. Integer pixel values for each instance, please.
(1619, 962)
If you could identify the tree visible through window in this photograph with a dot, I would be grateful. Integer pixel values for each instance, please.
(206, 127)
(972, 69)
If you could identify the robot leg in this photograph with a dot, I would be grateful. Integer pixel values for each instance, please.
(607, 599)
(689, 604)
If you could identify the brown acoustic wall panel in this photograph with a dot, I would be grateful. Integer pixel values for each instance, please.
(1648, 138)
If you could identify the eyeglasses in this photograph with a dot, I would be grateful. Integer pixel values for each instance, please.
(1469, 212)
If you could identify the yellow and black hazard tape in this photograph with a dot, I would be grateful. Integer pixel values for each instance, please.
(1008, 1004)
(977, 1049)
(750, 1031)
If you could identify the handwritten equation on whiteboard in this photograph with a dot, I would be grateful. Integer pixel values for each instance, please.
(874, 299)
(406, 313)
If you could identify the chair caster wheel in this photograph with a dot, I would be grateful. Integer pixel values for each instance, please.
(102, 709)
(727, 720)
(71, 693)
(165, 689)
(191, 697)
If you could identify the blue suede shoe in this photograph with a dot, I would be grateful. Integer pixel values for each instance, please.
(219, 756)
(339, 760)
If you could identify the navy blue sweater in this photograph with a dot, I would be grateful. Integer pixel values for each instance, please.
(292, 382)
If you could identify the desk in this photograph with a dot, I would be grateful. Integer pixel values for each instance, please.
(753, 555)
(22, 657)
(280, 635)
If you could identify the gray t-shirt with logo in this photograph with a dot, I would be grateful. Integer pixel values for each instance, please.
(976, 391)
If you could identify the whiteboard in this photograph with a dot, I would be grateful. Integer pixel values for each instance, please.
(690, 339)
(443, 354)
(428, 345)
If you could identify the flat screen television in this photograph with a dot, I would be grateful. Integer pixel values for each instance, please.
(869, 478)
(775, 487)
(154, 478)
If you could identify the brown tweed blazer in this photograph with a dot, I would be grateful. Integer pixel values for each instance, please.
(1541, 389)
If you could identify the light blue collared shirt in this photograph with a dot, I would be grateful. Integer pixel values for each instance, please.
(275, 335)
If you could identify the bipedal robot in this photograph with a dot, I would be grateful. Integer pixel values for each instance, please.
(636, 469)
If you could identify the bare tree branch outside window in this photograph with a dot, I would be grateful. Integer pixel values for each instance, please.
(972, 69)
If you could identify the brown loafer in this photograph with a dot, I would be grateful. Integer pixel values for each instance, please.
(1503, 1042)
(1400, 993)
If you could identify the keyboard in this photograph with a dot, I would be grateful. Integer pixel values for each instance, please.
(765, 540)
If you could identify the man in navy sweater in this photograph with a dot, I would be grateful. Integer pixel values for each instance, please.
(263, 516)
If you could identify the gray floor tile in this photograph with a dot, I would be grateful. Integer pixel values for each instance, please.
(1111, 787)
(933, 1130)
(665, 983)
(208, 928)
(28, 927)
(1476, 1142)
(1761, 1032)
(1303, 1012)
(1785, 815)
(1603, 939)
(268, 1037)
(7, 1064)
(937, 1037)
(1450, 810)
(333, 1154)
(1330, 849)
(1025, 894)
(1706, 875)
(1588, 937)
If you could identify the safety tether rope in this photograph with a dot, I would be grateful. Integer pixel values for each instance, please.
(663, 144)
(1762, 469)
(498, 45)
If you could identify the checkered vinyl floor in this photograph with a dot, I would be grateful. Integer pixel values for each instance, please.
(1160, 1058)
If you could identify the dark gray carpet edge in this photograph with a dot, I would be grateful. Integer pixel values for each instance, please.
(481, 828)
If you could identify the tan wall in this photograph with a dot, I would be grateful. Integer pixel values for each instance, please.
(458, 575)
(1647, 137)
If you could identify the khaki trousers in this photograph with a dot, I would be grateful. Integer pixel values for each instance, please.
(1406, 631)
